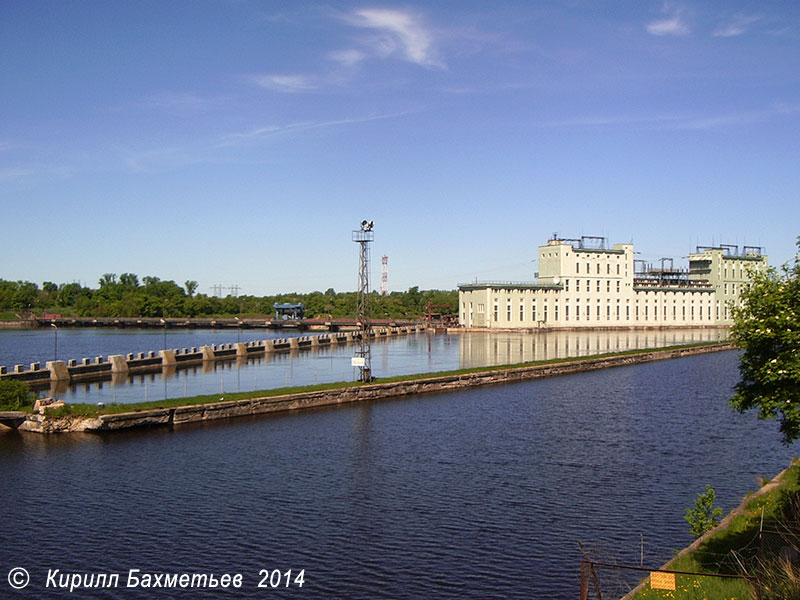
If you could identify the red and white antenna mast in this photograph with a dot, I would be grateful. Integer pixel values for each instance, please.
(384, 275)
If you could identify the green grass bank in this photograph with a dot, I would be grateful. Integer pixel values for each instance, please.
(760, 540)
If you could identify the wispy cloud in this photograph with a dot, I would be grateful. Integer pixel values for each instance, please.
(738, 25)
(673, 23)
(391, 33)
(286, 83)
(19, 172)
(261, 133)
(183, 102)
(347, 58)
(397, 33)
(697, 122)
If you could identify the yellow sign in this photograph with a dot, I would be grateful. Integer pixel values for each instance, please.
(662, 581)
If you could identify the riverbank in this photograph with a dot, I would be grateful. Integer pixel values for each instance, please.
(62, 418)
(754, 538)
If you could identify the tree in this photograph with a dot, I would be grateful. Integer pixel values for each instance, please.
(129, 279)
(107, 279)
(25, 296)
(703, 517)
(15, 395)
(767, 329)
(191, 287)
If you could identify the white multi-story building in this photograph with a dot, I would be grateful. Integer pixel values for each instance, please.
(584, 284)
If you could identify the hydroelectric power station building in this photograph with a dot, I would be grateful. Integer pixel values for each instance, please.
(582, 283)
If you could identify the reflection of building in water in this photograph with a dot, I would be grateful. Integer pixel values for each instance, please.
(584, 284)
(478, 349)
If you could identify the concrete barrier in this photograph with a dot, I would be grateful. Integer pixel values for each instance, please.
(58, 370)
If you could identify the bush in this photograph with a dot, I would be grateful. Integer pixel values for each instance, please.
(703, 517)
(15, 395)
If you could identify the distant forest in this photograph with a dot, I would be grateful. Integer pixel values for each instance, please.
(126, 296)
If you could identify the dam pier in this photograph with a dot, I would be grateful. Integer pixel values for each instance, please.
(118, 367)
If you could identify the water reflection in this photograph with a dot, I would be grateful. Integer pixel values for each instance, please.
(488, 349)
(404, 355)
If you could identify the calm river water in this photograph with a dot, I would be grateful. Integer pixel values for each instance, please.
(480, 493)
(403, 355)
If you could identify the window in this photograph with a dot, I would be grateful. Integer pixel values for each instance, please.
(608, 268)
(508, 313)
(521, 312)
(598, 285)
(566, 285)
(496, 315)
(618, 286)
(577, 267)
(566, 312)
(608, 286)
(598, 268)
(533, 311)
(556, 312)
(617, 268)
(577, 285)
(627, 313)
(545, 313)
(588, 267)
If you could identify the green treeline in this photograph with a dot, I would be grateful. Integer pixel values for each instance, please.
(126, 296)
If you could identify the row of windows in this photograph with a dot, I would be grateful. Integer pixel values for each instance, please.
(589, 268)
(617, 311)
(598, 285)
(644, 314)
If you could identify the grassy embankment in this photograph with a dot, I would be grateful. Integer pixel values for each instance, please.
(714, 555)
(92, 410)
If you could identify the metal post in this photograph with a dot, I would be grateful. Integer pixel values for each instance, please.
(55, 341)
(362, 359)
(584, 582)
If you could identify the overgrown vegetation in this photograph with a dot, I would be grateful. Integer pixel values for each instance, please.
(15, 395)
(126, 296)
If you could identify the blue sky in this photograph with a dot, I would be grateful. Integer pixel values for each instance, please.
(239, 142)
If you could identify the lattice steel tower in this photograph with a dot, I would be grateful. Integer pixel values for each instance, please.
(362, 360)
(384, 275)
